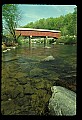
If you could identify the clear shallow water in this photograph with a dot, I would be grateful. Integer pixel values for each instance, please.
(27, 79)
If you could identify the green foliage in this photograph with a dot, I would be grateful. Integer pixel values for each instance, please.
(67, 40)
(20, 40)
(66, 24)
(10, 17)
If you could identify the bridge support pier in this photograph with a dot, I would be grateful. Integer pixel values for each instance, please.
(30, 43)
(45, 41)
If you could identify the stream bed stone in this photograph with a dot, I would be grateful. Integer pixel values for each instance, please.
(62, 102)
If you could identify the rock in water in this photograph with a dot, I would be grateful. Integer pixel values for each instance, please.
(47, 47)
(62, 102)
(48, 58)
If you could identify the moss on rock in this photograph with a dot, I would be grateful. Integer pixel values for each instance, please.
(28, 89)
(8, 107)
(20, 74)
(40, 85)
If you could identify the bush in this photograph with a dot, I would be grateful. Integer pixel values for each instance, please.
(20, 40)
(67, 40)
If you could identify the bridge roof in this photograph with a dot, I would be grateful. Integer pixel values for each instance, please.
(27, 29)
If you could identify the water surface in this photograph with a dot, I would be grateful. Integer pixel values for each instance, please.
(27, 79)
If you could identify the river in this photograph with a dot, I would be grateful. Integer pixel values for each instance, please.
(26, 78)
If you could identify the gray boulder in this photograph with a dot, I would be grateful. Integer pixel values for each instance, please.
(48, 58)
(62, 102)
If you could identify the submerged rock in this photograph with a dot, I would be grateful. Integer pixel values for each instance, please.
(62, 102)
(28, 89)
(48, 58)
(9, 60)
(36, 72)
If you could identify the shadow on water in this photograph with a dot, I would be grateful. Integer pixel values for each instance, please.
(27, 78)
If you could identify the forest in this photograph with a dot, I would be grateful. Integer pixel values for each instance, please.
(66, 24)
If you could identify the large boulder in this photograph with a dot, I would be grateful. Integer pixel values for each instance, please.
(62, 102)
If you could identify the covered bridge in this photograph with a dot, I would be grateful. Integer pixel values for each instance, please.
(30, 32)
(37, 32)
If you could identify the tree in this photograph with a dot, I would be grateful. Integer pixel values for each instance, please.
(10, 17)
(75, 21)
(64, 31)
(66, 24)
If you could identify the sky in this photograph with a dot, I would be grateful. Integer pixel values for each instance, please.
(32, 13)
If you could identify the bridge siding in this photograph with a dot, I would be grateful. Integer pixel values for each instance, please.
(38, 33)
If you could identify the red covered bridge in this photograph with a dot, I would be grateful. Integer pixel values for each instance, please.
(37, 32)
(30, 32)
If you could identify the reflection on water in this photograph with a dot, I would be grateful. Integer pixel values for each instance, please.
(27, 78)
